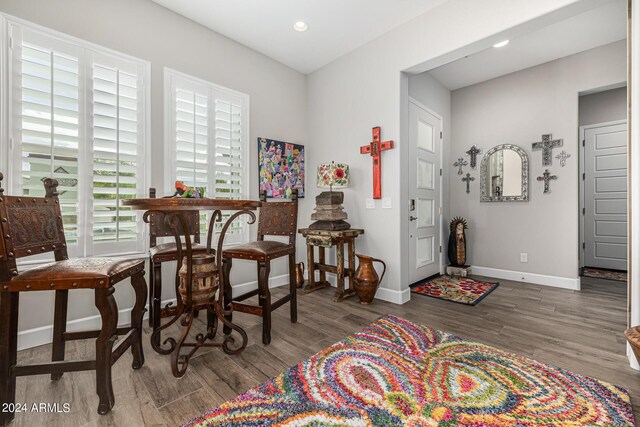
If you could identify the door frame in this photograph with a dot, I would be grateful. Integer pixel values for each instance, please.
(581, 195)
(441, 188)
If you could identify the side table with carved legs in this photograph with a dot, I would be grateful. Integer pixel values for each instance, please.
(323, 239)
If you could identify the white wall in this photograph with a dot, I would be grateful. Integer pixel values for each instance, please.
(517, 109)
(603, 107)
(148, 31)
(366, 88)
(429, 92)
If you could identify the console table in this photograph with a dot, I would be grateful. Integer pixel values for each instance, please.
(323, 239)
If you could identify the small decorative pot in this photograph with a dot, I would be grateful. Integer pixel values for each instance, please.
(299, 274)
(204, 280)
(366, 279)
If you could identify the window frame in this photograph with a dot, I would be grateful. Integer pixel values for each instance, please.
(172, 77)
(10, 123)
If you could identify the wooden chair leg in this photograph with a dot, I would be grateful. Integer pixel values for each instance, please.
(106, 305)
(8, 352)
(264, 267)
(155, 308)
(227, 263)
(137, 314)
(59, 328)
(152, 274)
(293, 303)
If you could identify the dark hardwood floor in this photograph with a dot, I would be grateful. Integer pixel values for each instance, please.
(580, 331)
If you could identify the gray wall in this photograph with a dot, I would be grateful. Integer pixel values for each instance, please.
(603, 107)
(429, 92)
(517, 109)
(148, 31)
(366, 88)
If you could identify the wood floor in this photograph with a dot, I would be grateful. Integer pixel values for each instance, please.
(580, 331)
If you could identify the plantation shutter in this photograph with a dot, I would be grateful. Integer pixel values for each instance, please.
(116, 129)
(229, 137)
(207, 140)
(77, 114)
(191, 137)
(46, 120)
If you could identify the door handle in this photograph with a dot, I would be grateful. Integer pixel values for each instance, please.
(413, 218)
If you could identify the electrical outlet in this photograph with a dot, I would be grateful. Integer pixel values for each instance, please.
(524, 257)
(370, 203)
(386, 203)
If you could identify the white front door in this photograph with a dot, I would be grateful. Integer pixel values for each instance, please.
(605, 196)
(425, 163)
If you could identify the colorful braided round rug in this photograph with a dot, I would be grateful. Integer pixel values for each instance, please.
(397, 373)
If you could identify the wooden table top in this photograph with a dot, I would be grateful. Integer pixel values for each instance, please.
(182, 204)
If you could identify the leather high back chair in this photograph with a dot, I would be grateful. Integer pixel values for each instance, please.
(276, 219)
(33, 225)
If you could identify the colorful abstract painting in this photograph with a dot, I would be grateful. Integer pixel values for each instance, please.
(463, 290)
(281, 167)
(397, 373)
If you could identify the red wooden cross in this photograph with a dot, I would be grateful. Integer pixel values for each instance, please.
(375, 148)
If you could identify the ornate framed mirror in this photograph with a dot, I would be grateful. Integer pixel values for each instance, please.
(504, 175)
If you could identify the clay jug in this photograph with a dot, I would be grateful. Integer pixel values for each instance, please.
(299, 274)
(366, 279)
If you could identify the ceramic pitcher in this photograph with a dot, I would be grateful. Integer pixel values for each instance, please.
(366, 279)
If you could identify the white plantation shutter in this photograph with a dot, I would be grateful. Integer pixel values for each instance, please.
(117, 153)
(77, 115)
(207, 140)
(46, 108)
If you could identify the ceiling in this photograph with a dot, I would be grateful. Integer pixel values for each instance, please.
(596, 27)
(336, 27)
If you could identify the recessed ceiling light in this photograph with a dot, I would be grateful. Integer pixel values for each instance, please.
(301, 26)
(501, 44)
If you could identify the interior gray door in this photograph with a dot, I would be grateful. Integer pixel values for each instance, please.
(605, 195)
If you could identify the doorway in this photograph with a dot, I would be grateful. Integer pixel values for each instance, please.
(603, 185)
(425, 192)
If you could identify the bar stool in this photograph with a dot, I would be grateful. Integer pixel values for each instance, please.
(33, 225)
(276, 219)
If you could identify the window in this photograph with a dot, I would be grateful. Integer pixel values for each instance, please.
(207, 134)
(78, 113)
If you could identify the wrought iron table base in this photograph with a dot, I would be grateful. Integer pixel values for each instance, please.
(186, 310)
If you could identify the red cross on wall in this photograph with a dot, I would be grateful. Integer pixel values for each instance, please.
(375, 148)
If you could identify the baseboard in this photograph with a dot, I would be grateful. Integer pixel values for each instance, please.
(43, 335)
(519, 276)
(632, 358)
(393, 296)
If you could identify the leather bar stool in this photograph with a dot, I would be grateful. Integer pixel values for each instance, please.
(276, 219)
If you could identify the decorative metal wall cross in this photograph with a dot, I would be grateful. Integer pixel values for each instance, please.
(546, 177)
(546, 145)
(563, 156)
(375, 148)
(473, 153)
(468, 179)
(459, 164)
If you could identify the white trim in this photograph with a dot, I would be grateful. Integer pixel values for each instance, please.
(394, 296)
(519, 276)
(43, 335)
(634, 173)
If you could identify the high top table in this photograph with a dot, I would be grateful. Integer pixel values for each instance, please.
(172, 211)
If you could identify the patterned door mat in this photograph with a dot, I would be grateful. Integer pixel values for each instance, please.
(463, 290)
(601, 273)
